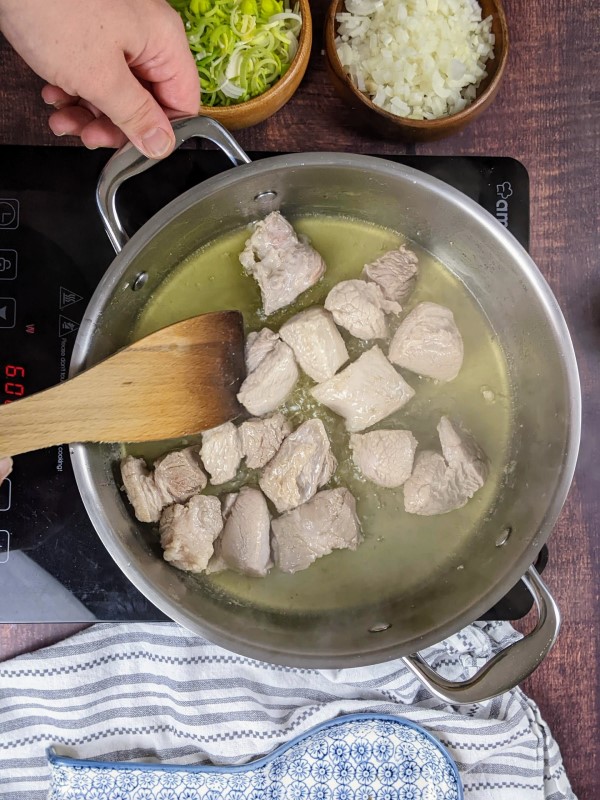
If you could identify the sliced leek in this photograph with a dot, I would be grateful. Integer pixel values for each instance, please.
(241, 47)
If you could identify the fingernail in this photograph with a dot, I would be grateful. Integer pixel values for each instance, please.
(156, 143)
(57, 104)
(6, 466)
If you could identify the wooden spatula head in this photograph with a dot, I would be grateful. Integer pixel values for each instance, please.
(178, 381)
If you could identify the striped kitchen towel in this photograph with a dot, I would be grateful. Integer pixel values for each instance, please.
(155, 692)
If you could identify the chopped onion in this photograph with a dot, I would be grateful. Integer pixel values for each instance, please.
(421, 59)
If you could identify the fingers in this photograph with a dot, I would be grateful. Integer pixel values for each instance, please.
(102, 133)
(54, 96)
(6, 465)
(70, 120)
(134, 110)
(94, 132)
(172, 72)
(77, 117)
(142, 77)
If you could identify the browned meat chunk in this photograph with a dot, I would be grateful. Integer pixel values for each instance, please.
(179, 475)
(395, 272)
(432, 488)
(384, 457)
(221, 452)
(258, 346)
(262, 438)
(327, 522)
(360, 308)
(283, 266)
(316, 342)
(141, 489)
(439, 483)
(273, 375)
(176, 477)
(429, 343)
(188, 532)
(463, 455)
(303, 464)
(245, 545)
(364, 393)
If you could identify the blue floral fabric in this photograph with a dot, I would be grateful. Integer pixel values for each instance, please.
(362, 757)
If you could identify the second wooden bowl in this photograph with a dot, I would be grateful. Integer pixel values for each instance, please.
(258, 109)
(392, 126)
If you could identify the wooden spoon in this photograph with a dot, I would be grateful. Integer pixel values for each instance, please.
(178, 381)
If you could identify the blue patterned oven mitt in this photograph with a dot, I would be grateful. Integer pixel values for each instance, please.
(356, 757)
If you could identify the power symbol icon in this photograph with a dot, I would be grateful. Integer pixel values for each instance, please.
(9, 214)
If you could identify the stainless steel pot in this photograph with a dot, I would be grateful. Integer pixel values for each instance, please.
(543, 371)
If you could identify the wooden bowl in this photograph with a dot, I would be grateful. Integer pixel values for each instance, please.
(392, 126)
(258, 109)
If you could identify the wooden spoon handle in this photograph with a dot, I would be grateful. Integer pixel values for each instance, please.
(176, 382)
(103, 405)
(39, 421)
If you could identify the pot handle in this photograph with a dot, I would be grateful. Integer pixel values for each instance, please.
(128, 161)
(509, 667)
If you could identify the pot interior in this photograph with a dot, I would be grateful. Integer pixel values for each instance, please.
(451, 568)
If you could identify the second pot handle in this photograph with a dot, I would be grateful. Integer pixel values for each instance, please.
(128, 161)
(509, 667)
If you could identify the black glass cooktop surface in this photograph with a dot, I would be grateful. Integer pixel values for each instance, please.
(53, 251)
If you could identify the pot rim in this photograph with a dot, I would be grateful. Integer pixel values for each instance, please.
(537, 282)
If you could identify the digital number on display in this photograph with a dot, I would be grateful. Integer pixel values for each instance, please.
(13, 382)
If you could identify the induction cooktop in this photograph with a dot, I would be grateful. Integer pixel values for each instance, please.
(53, 252)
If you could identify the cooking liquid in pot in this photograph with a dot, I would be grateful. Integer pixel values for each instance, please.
(400, 551)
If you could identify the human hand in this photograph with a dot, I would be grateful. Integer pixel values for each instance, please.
(116, 69)
(6, 466)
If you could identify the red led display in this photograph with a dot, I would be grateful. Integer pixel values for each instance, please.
(13, 388)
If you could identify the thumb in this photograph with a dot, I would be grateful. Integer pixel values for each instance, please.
(6, 465)
(133, 109)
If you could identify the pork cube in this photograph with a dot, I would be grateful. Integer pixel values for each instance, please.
(283, 266)
(327, 522)
(316, 342)
(262, 438)
(245, 544)
(429, 343)
(227, 503)
(188, 532)
(364, 393)
(217, 563)
(271, 382)
(143, 494)
(443, 483)
(258, 346)
(302, 465)
(384, 457)
(221, 452)
(395, 272)
(360, 308)
(432, 488)
(179, 475)
(464, 455)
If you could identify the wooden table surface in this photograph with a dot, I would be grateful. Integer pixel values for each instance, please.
(546, 115)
